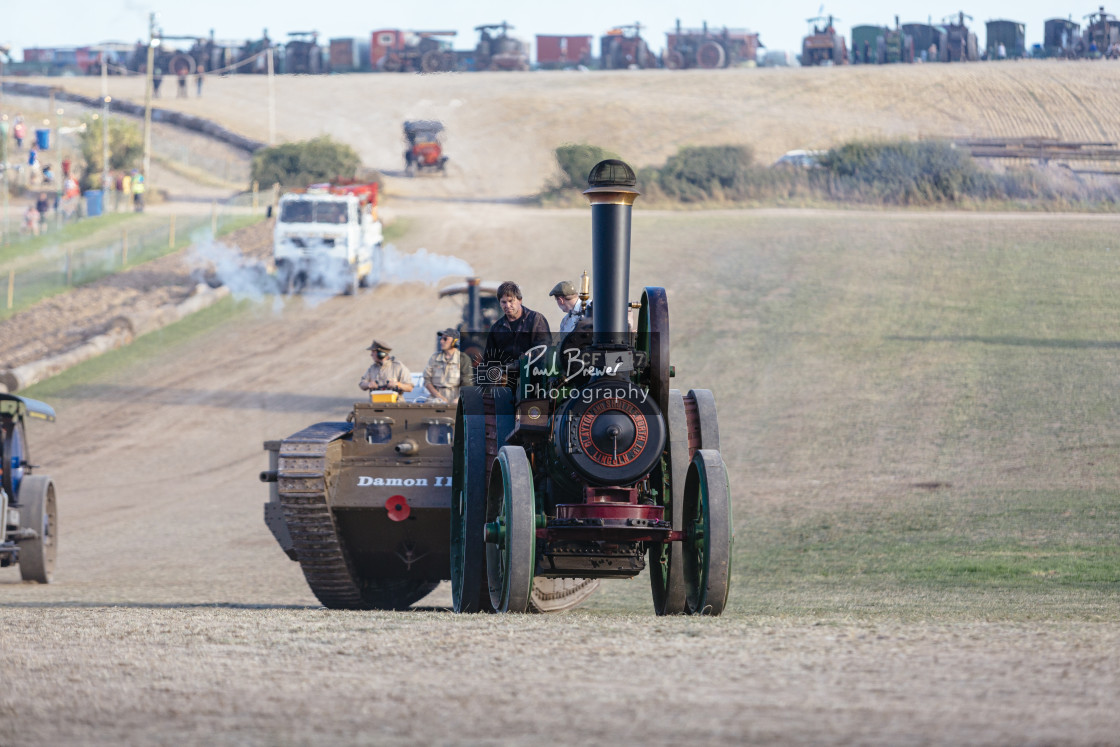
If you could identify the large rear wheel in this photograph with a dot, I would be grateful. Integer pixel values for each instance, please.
(468, 505)
(708, 534)
(511, 531)
(666, 559)
(38, 513)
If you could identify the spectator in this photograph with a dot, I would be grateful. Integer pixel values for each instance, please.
(19, 131)
(198, 83)
(31, 220)
(42, 205)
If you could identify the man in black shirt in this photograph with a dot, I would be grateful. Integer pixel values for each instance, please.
(517, 331)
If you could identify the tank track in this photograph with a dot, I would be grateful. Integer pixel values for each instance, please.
(304, 485)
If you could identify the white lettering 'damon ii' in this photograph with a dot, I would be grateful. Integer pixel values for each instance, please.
(365, 481)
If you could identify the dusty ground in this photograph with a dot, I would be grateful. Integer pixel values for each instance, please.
(175, 617)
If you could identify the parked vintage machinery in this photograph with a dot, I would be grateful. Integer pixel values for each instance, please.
(1100, 37)
(1012, 35)
(960, 42)
(930, 42)
(823, 45)
(302, 54)
(703, 48)
(28, 511)
(623, 46)
(364, 505)
(1060, 36)
(881, 45)
(328, 236)
(590, 462)
(425, 146)
(499, 51)
(395, 51)
(556, 52)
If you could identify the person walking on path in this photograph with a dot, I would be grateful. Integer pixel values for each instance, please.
(198, 83)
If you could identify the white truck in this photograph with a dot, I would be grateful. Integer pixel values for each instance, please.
(327, 236)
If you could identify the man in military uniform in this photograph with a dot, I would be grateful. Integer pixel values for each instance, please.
(447, 369)
(517, 331)
(568, 301)
(386, 372)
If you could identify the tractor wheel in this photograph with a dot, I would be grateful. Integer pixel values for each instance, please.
(468, 505)
(674, 60)
(666, 559)
(708, 534)
(711, 55)
(38, 513)
(432, 61)
(511, 531)
(392, 64)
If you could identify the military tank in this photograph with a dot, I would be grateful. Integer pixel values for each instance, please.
(364, 505)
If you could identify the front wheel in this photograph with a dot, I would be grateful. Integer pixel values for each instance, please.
(708, 534)
(39, 514)
(511, 531)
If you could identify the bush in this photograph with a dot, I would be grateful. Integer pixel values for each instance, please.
(126, 148)
(576, 162)
(299, 164)
(696, 174)
(902, 172)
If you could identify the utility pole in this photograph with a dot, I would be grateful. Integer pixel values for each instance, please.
(271, 101)
(4, 127)
(104, 131)
(58, 178)
(152, 41)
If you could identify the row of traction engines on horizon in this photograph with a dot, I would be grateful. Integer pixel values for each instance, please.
(953, 41)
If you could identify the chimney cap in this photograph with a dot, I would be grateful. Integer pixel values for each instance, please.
(611, 175)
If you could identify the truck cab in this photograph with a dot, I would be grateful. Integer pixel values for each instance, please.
(327, 236)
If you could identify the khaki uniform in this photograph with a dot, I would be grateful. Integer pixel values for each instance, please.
(386, 374)
(446, 373)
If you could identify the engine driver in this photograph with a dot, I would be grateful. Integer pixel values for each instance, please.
(568, 301)
(518, 330)
(386, 372)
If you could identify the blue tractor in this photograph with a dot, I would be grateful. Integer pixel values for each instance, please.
(28, 512)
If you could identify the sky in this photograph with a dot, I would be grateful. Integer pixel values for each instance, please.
(781, 24)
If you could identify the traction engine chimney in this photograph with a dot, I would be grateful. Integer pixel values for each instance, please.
(611, 192)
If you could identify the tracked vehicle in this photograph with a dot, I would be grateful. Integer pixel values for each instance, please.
(28, 512)
(364, 505)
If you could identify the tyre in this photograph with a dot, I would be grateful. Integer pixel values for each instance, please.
(38, 513)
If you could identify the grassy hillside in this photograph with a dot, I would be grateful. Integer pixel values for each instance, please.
(920, 413)
(501, 128)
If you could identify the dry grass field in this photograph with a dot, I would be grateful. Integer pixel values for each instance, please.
(501, 129)
(918, 409)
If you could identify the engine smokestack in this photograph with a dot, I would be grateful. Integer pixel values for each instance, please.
(474, 306)
(611, 192)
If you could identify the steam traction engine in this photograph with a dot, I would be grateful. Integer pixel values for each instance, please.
(591, 464)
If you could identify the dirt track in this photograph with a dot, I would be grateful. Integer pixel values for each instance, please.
(175, 617)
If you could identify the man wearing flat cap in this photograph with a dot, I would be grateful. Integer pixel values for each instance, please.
(386, 372)
(447, 369)
(568, 301)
